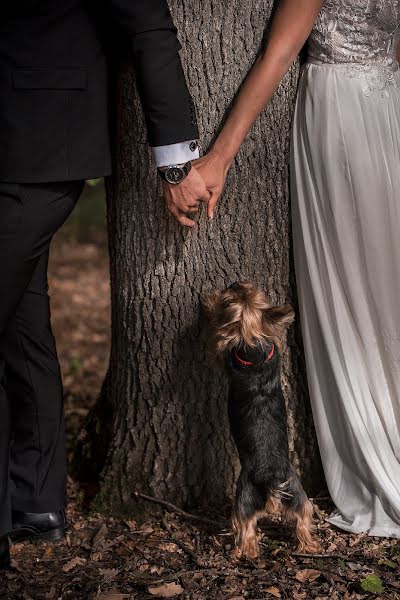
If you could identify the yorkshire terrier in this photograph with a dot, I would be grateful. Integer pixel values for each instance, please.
(247, 335)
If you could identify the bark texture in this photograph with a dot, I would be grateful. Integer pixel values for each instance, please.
(170, 433)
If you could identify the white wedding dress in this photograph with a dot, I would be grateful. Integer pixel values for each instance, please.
(345, 174)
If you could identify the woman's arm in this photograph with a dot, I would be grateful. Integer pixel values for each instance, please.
(291, 26)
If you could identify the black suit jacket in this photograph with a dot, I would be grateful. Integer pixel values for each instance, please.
(53, 85)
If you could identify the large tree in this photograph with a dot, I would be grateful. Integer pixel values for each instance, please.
(162, 420)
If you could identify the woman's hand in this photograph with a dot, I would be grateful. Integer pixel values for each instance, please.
(213, 170)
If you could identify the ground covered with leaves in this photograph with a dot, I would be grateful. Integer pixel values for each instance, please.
(172, 555)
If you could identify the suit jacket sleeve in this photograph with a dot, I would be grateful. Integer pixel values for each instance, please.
(168, 106)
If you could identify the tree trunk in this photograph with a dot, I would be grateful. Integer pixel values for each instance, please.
(170, 434)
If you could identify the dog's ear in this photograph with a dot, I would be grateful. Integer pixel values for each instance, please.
(209, 303)
(278, 319)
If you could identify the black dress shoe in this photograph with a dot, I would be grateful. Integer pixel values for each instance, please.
(38, 526)
(4, 553)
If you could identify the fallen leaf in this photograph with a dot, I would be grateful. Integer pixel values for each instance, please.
(168, 590)
(169, 547)
(109, 573)
(274, 591)
(157, 570)
(100, 535)
(75, 562)
(332, 547)
(357, 539)
(51, 594)
(298, 595)
(132, 525)
(307, 575)
(96, 556)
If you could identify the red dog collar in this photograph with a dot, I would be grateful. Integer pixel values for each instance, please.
(246, 363)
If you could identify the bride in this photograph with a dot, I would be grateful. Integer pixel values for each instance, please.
(345, 178)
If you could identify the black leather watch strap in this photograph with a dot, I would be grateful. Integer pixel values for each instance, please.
(175, 174)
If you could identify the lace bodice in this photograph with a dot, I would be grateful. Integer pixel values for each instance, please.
(363, 32)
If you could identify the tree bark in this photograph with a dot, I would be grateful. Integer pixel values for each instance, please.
(170, 434)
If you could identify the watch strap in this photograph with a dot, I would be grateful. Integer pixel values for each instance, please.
(186, 168)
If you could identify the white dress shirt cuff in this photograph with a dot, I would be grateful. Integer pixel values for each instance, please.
(176, 154)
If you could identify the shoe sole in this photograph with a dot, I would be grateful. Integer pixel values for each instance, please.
(27, 535)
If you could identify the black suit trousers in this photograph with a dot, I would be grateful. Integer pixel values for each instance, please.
(32, 450)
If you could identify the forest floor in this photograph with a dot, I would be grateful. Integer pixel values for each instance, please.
(170, 556)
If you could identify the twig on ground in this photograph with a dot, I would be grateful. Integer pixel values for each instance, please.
(182, 545)
(340, 556)
(212, 571)
(176, 509)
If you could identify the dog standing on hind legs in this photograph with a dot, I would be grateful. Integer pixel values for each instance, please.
(247, 333)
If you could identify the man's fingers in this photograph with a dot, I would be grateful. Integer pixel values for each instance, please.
(212, 204)
(180, 217)
(193, 209)
(173, 210)
(185, 221)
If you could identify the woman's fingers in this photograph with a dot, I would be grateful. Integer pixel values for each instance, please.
(212, 204)
(205, 197)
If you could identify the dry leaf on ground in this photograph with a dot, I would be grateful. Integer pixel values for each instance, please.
(109, 573)
(274, 591)
(75, 562)
(307, 575)
(100, 535)
(51, 594)
(168, 590)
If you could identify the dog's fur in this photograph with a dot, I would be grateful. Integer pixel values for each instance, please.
(245, 330)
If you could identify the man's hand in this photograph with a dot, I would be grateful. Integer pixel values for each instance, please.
(184, 199)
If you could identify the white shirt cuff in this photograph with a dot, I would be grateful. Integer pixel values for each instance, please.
(176, 154)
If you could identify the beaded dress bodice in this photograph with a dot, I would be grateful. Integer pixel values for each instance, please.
(356, 31)
(361, 35)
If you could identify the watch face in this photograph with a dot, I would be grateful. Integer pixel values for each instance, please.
(174, 175)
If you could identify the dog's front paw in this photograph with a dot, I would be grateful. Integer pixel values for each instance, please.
(249, 550)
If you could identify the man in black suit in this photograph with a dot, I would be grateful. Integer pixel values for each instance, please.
(54, 134)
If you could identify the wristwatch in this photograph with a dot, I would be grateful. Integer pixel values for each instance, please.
(175, 174)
